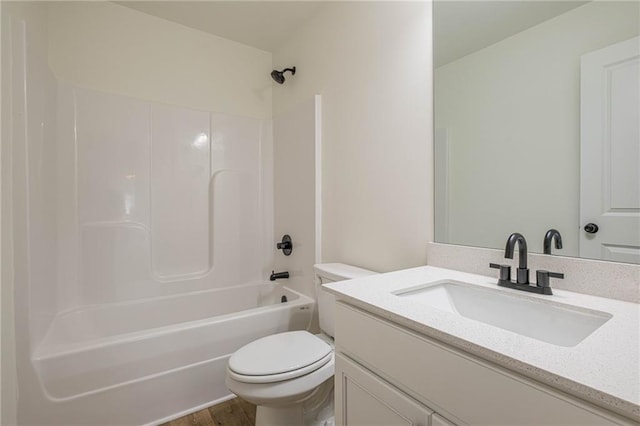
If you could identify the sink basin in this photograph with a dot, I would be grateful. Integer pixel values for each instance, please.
(550, 322)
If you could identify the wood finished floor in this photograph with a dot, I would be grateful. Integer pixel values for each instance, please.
(234, 412)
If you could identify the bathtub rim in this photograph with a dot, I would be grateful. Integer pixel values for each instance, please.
(141, 300)
(39, 354)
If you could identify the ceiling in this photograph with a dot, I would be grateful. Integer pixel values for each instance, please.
(261, 24)
(463, 27)
(460, 27)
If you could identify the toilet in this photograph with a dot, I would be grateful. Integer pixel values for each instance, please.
(289, 376)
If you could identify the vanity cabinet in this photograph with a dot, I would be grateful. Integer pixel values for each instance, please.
(369, 401)
(386, 370)
(437, 420)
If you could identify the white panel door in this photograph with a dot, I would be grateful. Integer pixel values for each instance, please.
(362, 399)
(610, 153)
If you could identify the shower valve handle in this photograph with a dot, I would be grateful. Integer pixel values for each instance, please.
(286, 245)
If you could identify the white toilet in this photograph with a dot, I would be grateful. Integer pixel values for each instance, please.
(289, 376)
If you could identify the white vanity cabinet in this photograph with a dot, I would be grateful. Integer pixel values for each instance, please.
(389, 375)
(369, 401)
(437, 420)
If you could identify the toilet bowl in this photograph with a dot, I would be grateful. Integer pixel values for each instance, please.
(289, 376)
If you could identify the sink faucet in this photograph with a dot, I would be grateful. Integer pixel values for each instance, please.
(522, 276)
(548, 239)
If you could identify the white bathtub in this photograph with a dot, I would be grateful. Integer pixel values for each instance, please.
(144, 362)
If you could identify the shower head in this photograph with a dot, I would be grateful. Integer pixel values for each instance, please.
(278, 76)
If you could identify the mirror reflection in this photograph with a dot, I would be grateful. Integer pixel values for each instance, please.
(536, 125)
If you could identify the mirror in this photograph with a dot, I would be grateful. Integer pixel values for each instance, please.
(536, 125)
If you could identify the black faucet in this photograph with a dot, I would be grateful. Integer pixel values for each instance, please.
(548, 239)
(522, 274)
(522, 277)
(278, 275)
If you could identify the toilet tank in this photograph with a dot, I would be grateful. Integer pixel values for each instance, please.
(328, 273)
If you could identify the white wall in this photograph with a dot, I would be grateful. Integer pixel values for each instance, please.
(111, 48)
(512, 115)
(294, 134)
(371, 63)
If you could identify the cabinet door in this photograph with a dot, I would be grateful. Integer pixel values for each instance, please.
(363, 399)
(436, 420)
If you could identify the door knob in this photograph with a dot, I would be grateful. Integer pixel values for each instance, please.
(591, 228)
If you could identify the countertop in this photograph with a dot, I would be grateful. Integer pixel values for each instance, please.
(603, 369)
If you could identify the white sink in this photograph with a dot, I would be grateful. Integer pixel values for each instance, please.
(550, 322)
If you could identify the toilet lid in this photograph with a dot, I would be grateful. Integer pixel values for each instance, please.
(283, 355)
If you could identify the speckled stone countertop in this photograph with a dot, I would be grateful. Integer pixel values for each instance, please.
(604, 368)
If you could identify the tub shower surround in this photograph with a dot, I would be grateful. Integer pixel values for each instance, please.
(158, 195)
(161, 219)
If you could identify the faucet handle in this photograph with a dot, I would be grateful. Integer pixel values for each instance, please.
(505, 272)
(542, 279)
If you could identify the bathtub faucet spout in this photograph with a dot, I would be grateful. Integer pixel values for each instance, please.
(278, 275)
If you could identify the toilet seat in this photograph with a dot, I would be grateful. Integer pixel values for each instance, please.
(272, 378)
(283, 392)
(279, 357)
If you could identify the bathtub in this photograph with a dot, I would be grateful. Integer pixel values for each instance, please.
(148, 361)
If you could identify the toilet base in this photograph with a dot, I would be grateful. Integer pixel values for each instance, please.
(316, 410)
(274, 416)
